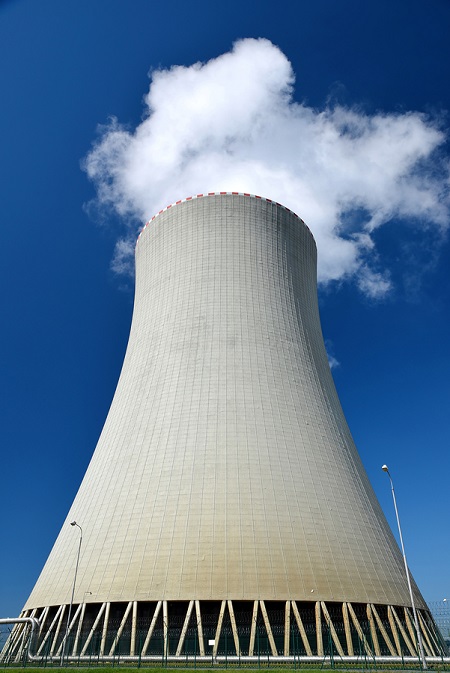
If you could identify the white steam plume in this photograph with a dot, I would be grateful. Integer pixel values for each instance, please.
(231, 125)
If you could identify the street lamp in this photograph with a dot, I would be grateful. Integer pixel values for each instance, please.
(63, 651)
(416, 622)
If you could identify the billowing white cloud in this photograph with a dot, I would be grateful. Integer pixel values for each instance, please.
(231, 124)
(332, 360)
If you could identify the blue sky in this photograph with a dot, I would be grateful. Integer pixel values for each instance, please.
(68, 67)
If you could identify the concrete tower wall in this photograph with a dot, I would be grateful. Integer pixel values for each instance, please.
(226, 469)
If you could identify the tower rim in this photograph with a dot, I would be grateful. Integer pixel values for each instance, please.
(208, 194)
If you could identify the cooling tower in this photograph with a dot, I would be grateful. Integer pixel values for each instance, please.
(226, 510)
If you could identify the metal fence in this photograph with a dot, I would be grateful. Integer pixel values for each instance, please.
(113, 649)
(441, 614)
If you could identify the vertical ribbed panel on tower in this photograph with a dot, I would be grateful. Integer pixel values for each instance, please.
(226, 469)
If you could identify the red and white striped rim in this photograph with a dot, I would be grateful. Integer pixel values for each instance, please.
(199, 196)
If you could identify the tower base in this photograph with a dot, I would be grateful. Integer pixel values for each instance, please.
(246, 630)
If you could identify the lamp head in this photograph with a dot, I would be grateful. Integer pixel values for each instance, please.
(385, 468)
(73, 523)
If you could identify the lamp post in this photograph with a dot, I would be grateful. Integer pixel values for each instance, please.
(63, 651)
(416, 622)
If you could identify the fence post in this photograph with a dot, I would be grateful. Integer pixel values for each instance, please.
(259, 654)
(195, 648)
(139, 646)
(226, 648)
(330, 641)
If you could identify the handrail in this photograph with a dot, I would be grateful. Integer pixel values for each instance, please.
(24, 620)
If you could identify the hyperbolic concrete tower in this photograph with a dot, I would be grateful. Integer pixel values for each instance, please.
(226, 500)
